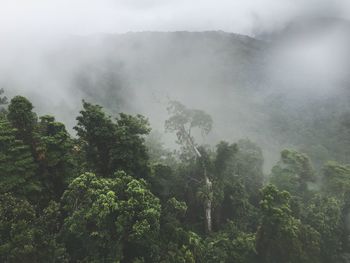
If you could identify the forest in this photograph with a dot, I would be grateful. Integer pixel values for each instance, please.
(110, 192)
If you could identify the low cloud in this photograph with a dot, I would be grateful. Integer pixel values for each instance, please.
(119, 16)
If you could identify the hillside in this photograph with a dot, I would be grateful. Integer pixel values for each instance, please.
(282, 92)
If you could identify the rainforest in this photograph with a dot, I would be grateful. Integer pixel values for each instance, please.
(174, 131)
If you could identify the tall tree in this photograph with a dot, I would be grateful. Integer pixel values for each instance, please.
(183, 121)
(97, 132)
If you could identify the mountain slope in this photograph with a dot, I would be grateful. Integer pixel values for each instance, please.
(289, 91)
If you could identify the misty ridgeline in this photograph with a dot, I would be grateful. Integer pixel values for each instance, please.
(177, 147)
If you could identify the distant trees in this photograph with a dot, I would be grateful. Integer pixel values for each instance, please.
(3, 102)
(3, 99)
(293, 173)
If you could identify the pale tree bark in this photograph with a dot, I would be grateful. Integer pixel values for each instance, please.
(207, 204)
(208, 184)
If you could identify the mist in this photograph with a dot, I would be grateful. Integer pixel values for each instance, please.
(231, 59)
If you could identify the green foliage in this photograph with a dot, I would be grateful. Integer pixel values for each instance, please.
(49, 214)
(250, 162)
(130, 152)
(230, 245)
(336, 179)
(110, 219)
(280, 236)
(224, 158)
(55, 156)
(235, 183)
(25, 237)
(22, 118)
(324, 215)
(17, 166)
(178, 245)
(163, 181)
(110, 146)
(17, 230)
(96, 131)
(293, 173)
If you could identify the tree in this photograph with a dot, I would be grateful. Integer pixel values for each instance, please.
(230, 184)
(293, 173)
(183, 121)
(281, 237)
(17, 218)
(177, 244)
(110, 219)
(249, 168)
(17, 166)
(163, 181)
(27, 237)
(56, 164)
(230, 245)
(130, 153)
(22, 118)
(97, 132)
(324, 215)
(336, 188)
(110, 146)
(3, 101)
(336, 180)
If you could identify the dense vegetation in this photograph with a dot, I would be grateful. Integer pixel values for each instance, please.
(108, 195)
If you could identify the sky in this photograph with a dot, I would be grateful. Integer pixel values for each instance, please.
(119, 16)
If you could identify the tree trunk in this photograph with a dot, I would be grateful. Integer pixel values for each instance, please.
(208, 185)
(207, 203)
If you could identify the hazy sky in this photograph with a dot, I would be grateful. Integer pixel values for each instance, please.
(110, 16)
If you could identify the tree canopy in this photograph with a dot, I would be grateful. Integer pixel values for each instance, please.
(112, 194)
